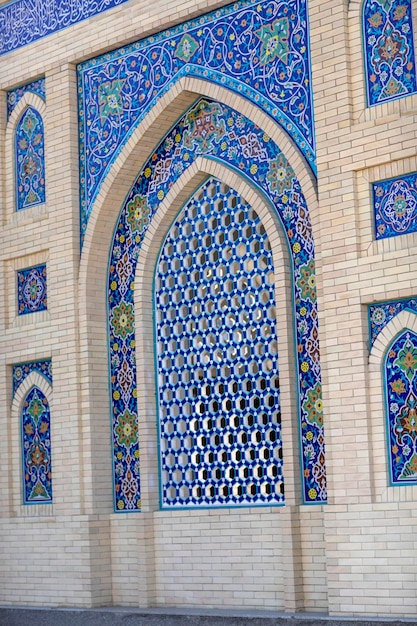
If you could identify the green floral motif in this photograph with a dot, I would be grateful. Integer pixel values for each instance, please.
(123, 320)
(313, 406)
(274, 39)
(307, 281)
(138, 214)
(186, 48)
(204, 126)
(110, 99)
(407, 359)
(280, 174)
(126, 429)
(35, 409)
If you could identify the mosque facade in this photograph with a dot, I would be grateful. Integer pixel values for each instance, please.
(209, 312)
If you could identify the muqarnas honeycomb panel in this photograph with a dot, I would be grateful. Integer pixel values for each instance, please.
(218, 384)
(395, 206)
(29, 160)
(388, 49)
(401, 409)
(36, 448)
(31, 290)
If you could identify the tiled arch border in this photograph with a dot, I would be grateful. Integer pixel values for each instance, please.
(34, 379)
(29, 99)
(94, 259)
(383, 492)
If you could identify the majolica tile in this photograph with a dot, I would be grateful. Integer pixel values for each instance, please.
(15, 95)
(395, 206)
(29, 160)
(31, 290)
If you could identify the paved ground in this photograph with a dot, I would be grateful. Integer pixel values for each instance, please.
(157, 617)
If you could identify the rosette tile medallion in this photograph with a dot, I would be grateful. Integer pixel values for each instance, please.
(395, 206)
(388, 50)
(36, 435)
(259, 50)
(31, 290)
(401, 408)
(25, 21)
(216, 131)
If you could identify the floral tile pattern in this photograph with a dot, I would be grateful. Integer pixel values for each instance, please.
(382, 313)
(217, 357)
(258, 49)
(395, 206)
(31, 290)
(15, 95)
(221, 133)
(36, 448)
(25, 21)
(388, 50)
(401, 408)
(29, 160)
(22, 371)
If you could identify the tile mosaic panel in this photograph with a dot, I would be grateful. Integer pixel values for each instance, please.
(258, 49)
(29, 160)
(217, 357)
(382, 313)
(395, 206)
(36, 447)
(388, 49)
(25, 21)
(401, 408)
(21, 372)
(221, 133)
(31, 290)
(15, 95)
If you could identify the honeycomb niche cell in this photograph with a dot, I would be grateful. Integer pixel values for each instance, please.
(218, 385)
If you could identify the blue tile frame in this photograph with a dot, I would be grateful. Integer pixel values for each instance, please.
(395, 206)
(220, 133)
(388, 48)
(25, 21)
(257, 49)
(32, 290)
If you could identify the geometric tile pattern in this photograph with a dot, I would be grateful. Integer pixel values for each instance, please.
(15, 95)
(379, 315)
(395, 206)
(36, 448)
(25, 21)
(29, 160)
(259, 50)
(22, 371)
(217, 360)
(219, 132)
(388, 50)
(31, 290)
(401, 408)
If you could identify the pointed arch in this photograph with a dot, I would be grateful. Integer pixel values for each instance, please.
(221, 134)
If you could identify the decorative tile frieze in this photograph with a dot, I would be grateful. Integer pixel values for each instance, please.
(388, 49)
(260, 50)
(24, 21)
(395, 206)
(31, 290)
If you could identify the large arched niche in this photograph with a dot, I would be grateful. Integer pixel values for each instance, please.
(94, 262)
